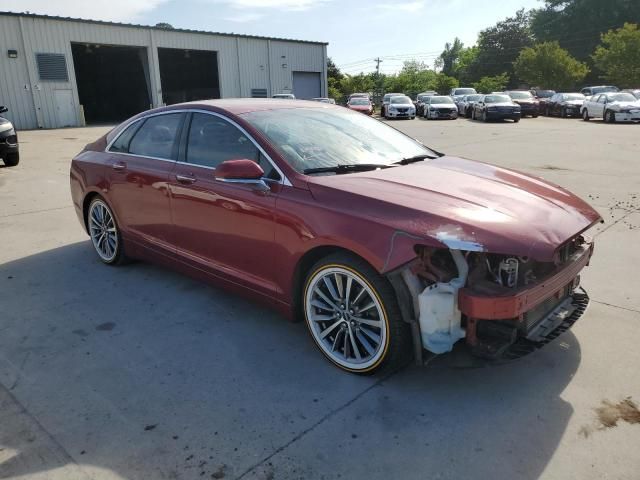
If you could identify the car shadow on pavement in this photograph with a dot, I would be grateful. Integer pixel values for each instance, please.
(141, 372)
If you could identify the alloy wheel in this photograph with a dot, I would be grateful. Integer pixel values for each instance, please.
(103, 232)
(346, 318)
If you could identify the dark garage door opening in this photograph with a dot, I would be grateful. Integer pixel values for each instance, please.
(188, 75)
(113, 82)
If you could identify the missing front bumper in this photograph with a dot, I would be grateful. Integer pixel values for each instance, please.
(504, 347)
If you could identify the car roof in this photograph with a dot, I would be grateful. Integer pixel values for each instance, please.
(239, 106)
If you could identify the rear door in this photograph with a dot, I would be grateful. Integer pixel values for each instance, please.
(142, 158)
(226, 229)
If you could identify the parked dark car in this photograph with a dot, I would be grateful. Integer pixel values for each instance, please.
(565, 105)
(543, 97)
(9, 149)
(382, 246)
(420, 99)
(528, 103)
(498, 106)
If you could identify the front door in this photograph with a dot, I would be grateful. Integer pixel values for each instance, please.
(226, 229)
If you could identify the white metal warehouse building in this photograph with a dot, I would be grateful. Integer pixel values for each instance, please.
(59, 72)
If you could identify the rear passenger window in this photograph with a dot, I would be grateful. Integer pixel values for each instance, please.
(121, 145)
(157, 137)
(213, 140)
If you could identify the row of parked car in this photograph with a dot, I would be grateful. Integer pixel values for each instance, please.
(604, 101)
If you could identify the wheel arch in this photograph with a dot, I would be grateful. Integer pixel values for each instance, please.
(302, 268)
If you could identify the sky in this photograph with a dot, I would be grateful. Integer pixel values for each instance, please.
(357, 30)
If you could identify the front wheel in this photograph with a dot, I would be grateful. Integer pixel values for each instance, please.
(353, 316)
(104, 233)
(12, 159)
(610, 117)
(585, 115)
(564, 112)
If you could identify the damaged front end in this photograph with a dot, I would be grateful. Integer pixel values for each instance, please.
(503, 306)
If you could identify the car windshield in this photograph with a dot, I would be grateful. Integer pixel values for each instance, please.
(318, 137)
(621, 97)
(497, 98)
(387, 96)
(521, 95)
(441, 100)
(573, 96)
(545, 93)
(463, 91)
(401, 100)
(473, 98)
(359, 101)
(604, 89)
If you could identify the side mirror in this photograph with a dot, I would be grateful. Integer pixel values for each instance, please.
(242, 171)
(3, 109)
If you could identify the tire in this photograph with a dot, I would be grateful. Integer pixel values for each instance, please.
(484, 117)
(609, 116)
(381, 342)
(473, 114)
(12, 159)
(585, 115)
(535, 115)
(563, 112)
(516, 120)
(104, 233)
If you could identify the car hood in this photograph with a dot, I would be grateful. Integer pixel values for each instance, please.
(526, 101)
(573, 102)
(625, 104)
(402, 105)
(502, 104)
(442, 105)
(360, 107)
(463, 204)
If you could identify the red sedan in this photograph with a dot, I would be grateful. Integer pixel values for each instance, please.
(385, 247)
(362, 105)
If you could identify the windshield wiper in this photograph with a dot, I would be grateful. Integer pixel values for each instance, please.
(416, 158)
(346, 168)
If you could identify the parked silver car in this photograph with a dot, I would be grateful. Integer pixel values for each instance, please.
(466, 103)
(440, 106)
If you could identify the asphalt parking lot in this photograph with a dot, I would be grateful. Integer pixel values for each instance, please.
(141, 373)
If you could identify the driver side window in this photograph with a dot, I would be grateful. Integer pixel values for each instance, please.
(212, 140)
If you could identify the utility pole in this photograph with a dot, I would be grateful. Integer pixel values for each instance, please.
(378, 92)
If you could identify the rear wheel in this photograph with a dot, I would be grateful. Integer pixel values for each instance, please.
(564, 112)
(12, 159)
(585, 115)
(353, 316)
(104, 233)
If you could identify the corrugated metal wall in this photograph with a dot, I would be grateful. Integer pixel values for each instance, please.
(244, 63)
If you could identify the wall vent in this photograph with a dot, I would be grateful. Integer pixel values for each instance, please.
(52, 67)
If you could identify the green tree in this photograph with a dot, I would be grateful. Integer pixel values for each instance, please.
(449, 56)
(363, 82)
(500, 45)
(618, 57)
(165, 25)
(334, 76)
(577, 24)
(444, 83)
(549, 66)
(462, 68)
(495, 83)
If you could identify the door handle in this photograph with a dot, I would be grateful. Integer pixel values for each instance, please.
(119, 166)
(186, 179)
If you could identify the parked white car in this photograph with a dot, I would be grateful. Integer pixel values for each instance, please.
(591, 91)
(440, 106)
(400, 106)
(385, 102)
(612, 107)
(284, 96)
